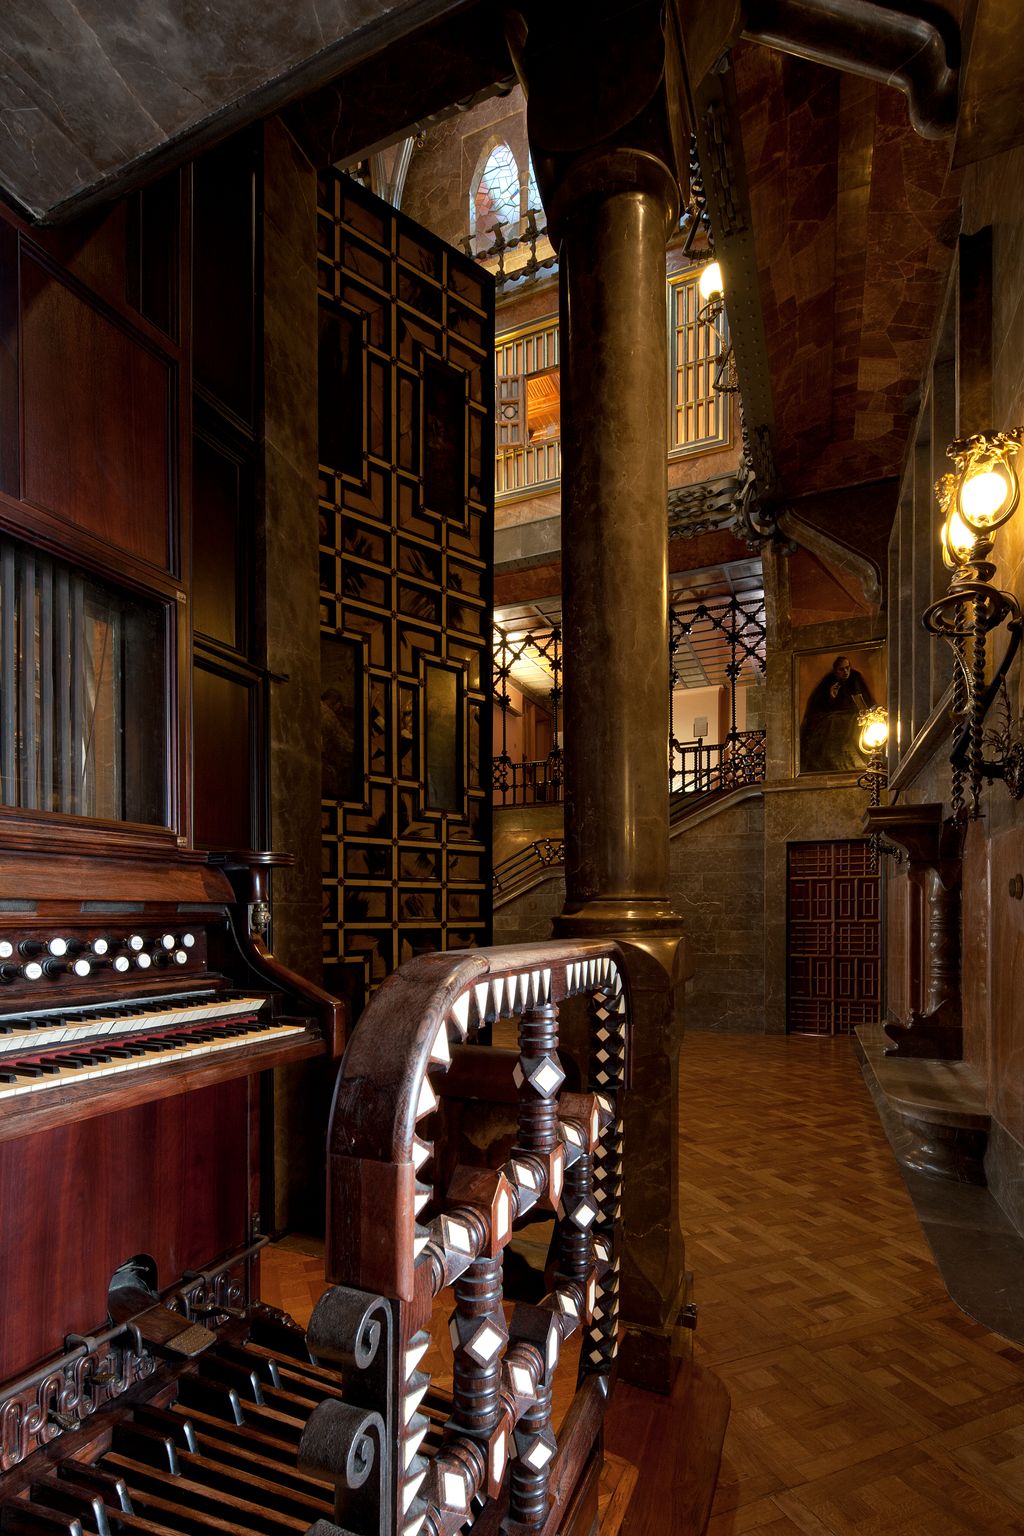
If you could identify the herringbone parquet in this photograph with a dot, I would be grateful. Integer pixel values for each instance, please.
(863, 1402)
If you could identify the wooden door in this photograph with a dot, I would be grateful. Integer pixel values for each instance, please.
(406, 516)
(834, 938)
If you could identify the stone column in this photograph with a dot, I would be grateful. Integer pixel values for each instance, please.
(603, 101)
(614, 213)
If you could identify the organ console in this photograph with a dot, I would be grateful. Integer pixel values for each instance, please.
(139, 1006)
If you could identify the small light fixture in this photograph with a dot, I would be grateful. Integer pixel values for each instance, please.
(975, 501)
(710, 285)
(874, 732)
(711, 291)
(873, 740)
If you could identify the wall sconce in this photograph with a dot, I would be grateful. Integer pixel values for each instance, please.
(711, 290)
(975, 501)
(873, 741)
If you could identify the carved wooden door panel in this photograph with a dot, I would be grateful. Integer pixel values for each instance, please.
(834, 938)
(406, 515)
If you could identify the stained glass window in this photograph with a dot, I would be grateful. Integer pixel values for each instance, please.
(494, 198)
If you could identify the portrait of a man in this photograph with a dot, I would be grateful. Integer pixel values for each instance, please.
(833, 696)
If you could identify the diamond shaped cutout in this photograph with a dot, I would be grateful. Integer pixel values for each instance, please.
(547, 1077)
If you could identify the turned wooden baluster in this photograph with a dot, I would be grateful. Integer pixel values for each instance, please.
(539, 1076)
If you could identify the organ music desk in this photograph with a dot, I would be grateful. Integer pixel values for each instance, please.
(139, 1005)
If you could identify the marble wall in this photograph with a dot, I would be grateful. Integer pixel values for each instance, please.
(993, 920)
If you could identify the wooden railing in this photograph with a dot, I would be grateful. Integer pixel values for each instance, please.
(407, 1221)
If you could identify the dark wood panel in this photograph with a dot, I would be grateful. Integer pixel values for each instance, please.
(223, 746)
(218, 549)
(10, 437)
(223, 275)
(168, 1179)
(96, 419)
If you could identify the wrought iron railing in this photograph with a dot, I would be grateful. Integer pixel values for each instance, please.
(706, 768)
(521, 868)
(502, 246)
(537, 783)
(523, 782)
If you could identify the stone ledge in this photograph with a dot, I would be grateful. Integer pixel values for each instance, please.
(934, 1112)
(977, 1249)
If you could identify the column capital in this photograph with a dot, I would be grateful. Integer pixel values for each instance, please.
(606, 100)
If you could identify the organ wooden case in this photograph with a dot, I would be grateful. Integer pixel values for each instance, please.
(140, 1003)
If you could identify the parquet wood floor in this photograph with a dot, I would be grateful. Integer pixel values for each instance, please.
(864, 1403)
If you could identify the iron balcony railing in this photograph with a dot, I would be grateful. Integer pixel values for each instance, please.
(520, 868)
(708, 768)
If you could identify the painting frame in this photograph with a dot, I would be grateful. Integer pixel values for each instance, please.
(826, 703)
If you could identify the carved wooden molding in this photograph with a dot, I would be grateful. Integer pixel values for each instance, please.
(933, 845)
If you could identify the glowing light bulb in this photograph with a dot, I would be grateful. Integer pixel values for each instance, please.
(983, 496)
(874, 732)
(957, 539)
(710, 284)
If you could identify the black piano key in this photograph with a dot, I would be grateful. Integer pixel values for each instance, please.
(25, 1069)
(112, 1490)
(67, 1499)
(152, 1446)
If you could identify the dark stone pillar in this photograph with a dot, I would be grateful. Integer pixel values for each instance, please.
(615, 213)
(607, 144)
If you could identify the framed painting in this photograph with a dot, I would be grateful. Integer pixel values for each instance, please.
(831, 690)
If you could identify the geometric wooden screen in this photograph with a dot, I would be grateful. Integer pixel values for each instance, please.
(834, 959)
(406, 559)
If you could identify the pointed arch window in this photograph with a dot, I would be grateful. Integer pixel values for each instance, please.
(494, 195)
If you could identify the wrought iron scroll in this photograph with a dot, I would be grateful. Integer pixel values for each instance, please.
(532, 237)
(403, 1236)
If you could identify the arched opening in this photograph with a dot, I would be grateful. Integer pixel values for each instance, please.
(493, 195)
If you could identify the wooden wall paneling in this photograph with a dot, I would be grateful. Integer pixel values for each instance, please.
(228, 730)
(1006, 941)
(10, 414)
(98, 417)
(168, 1178)
(406, 403)
(977, 898)
(153, 278)
(222, 499)
(224, 213)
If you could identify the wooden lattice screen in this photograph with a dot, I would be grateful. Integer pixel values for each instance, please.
(834, 939)
(406, 515)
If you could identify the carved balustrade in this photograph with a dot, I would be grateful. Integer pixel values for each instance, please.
(403, 1226)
